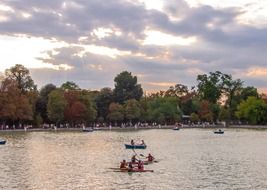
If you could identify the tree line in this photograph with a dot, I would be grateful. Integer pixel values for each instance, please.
(216, 97)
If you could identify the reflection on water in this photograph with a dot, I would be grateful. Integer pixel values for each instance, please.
(189, 159)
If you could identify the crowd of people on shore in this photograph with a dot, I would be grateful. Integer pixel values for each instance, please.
(97, 125)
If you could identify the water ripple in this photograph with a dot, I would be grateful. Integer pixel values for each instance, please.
(189, 159)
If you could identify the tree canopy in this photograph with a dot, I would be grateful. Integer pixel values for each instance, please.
(69, 85)
(217, 97)
(253, 110)
(126, 87)
(21, 75)
(42, 101)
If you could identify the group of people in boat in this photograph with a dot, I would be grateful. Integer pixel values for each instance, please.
(136, 163)
(142, 142)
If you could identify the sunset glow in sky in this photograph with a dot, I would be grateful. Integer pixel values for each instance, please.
(162, 42)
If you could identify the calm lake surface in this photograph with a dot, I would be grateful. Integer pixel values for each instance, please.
(189, 159)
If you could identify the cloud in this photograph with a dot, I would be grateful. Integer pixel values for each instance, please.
(102, 39)
(257, 72)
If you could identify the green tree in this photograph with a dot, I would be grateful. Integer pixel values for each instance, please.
(189, 103)
(21, 75)
(38, 120)
(217, 86)
(132, 110)
(253, 110)
(56, 106)
(144, 115)
(224, 114)
(159, 94)
(115, 112)
(42, 101)
(103, 100)
(179, 90)
(242, 94)
(164, 109)
(248, 91)
(209, 86)
(69, 85)
(90, 112)
(231, 89)
(194, 117)
(126, 87)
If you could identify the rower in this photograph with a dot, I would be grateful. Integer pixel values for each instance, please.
(143, 142)
(132, 142)
(134, 160)
(150, 158)
(130, 166)
(123, 164)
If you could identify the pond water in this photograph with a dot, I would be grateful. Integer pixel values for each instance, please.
(188, 159)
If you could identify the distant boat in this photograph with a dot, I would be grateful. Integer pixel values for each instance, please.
(176, 128)
(130, 170)
(145, 162)
(2, 142)
(219, 132)
(97, 129)
(88, 130)
(138, 146)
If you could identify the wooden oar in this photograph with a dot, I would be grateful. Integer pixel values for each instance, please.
(136, 154)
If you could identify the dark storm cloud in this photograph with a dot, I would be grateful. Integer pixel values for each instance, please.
(222, 43)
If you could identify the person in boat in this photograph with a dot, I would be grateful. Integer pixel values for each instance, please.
(130, 166)
(132, 142)
(140, 165)
(123, 164)
(150, 158)
(134, 159)
(143, 142)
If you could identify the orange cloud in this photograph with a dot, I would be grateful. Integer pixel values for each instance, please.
(257, 71)
(162, 84)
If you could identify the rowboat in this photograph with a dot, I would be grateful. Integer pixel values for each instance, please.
(2, 142)
(176, 128)
(130, 170)
(97, 129)
(145, 162)
(219, 132)
(88, 130)
(140, 146)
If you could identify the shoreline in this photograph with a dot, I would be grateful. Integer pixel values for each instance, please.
(256, 127)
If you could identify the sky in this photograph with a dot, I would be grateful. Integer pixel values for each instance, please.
(162, 42)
